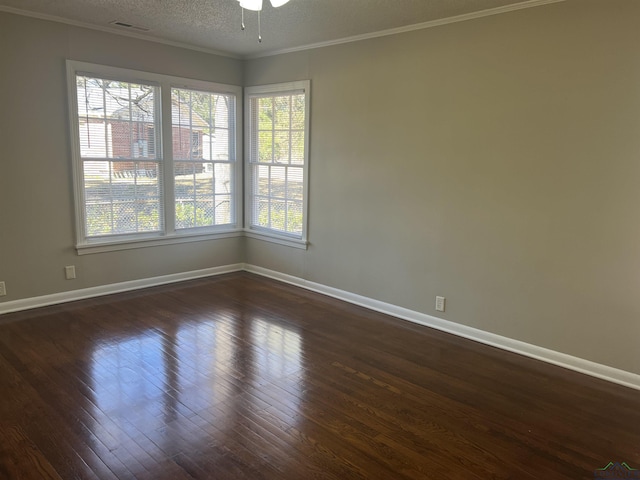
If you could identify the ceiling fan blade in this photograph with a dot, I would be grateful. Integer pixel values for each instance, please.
(255, 5)
(278, 3)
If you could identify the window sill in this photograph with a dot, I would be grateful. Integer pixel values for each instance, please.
(279, 239)
(101, 247)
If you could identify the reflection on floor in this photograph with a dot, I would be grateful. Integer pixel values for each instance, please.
(242, 377)
(158, 380)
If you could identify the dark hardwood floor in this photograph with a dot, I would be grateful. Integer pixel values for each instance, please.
(238, 376)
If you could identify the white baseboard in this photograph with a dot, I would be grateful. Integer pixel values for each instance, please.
(581, 365)
(81, 294)
(570, 362)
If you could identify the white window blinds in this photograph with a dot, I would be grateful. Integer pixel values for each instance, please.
(120, 157)
(154, 158)
(202, 127)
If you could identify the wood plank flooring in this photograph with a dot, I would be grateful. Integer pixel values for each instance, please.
(241, 377)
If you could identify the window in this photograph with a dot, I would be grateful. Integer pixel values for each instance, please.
(154, 157)
(203, 159)
(120, 174)
(277, 142)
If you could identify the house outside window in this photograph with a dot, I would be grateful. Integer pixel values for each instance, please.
(155, 157)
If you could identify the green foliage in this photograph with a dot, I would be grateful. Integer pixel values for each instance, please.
(293, 219)
(189, 215)
(102, 219)
(98, 221)
(126, 217)
(281, 129)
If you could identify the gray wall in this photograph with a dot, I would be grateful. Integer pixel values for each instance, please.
(36, 202)
(494, 161)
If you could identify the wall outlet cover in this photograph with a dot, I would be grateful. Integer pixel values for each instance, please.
(70, 272)
(440, 304)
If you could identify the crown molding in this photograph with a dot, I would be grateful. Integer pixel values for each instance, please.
(116, 31)
(355, 38)
(409, 28)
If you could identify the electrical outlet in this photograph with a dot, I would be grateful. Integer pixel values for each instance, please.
(3, 289)
(70, 272)
(440, 304)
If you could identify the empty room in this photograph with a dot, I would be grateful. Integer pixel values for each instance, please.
(319, 239)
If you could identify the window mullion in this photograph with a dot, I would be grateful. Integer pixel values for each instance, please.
(286, 170)
(270, 196)
(112, 210)
(212, 132)
(192, 162)
(166, 164)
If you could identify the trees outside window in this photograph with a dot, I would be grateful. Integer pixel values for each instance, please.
(147, 171)
(276, 137)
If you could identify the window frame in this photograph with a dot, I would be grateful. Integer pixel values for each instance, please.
(255, 231)
(168, 233)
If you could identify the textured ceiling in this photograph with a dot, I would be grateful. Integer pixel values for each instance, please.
(215, 24)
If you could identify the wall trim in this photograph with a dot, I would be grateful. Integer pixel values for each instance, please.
(356, 38)
(116, 31)
(587, 367)
(81, 294)
(410, 28)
